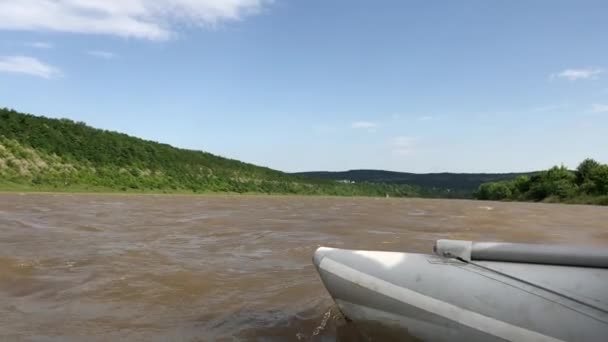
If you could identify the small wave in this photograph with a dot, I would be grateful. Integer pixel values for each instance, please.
(88, 228)
(379, 232)
(11, 266)
(417, 213)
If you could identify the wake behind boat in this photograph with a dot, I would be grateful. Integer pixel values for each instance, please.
(473, 291)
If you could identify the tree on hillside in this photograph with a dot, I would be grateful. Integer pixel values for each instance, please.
(557, 181)
(585, 169)
(520, 186)
(494, 191)
(599, 180)
(592, 177)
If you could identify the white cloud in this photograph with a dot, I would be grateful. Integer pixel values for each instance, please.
(548, 108)
(427, 118)
(322, 128)
(578, 74)
(403, 145)
(29, 66)
(599, 108)
(363, 124)
(102, 54)
(40, 45)
(142, 19)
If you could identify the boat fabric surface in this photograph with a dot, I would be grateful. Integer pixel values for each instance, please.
(444, 299)
(524, 253)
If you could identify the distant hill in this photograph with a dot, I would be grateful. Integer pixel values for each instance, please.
(39, 153)
(430, 184)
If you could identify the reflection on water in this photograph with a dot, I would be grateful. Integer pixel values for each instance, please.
(100, 267)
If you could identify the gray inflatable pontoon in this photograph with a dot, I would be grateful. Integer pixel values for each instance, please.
(473, 291)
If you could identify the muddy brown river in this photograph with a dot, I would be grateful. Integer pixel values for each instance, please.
(188, 268)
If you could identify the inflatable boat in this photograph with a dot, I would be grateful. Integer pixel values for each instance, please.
(473, 291)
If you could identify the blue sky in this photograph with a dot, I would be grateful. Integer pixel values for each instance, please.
(418, 86)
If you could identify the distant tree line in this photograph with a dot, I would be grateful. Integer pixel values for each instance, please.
(587, 184)
(440, 185)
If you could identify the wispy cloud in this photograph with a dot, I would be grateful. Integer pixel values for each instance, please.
(548, 108)
(322, 128)
(578, 74)
(427, 118)
(504, 112)
(142, 19)
(40, 45)
(598, 108)
(403, 145)
(363, 125)
(102, 54)
(29, 66)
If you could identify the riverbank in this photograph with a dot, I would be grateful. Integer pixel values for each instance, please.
(483, 204)
(92, 190)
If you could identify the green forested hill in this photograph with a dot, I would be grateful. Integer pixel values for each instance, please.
(59, 154)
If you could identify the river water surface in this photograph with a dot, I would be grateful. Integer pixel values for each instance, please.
(188, 268)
